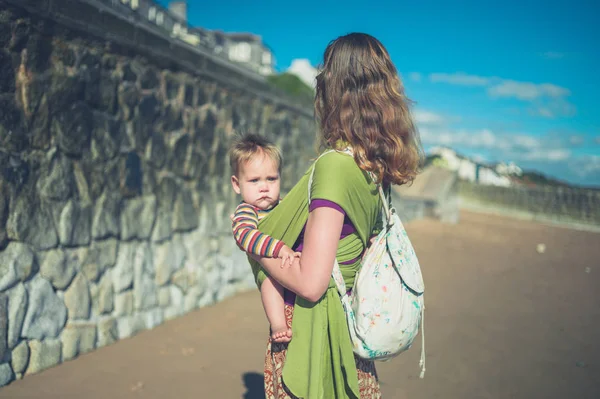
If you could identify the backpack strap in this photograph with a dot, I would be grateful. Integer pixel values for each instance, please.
(336, 273)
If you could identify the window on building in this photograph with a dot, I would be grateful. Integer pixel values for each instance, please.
(266, 58)
(160, 18)
(240, 52)
(135, 4)
(152, 13)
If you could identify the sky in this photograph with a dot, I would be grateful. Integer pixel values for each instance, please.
(510, 81)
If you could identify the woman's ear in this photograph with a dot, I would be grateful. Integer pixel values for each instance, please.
(235, 183)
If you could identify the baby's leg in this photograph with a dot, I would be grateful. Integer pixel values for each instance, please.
(271, 293)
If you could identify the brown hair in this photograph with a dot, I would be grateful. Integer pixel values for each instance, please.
(360, 101)
(246, 147)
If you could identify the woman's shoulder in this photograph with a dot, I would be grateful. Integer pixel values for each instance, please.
(337, 168)
(334, 160)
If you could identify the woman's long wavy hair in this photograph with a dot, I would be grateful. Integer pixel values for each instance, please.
(360, 101)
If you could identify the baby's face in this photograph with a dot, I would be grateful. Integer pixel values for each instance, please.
(258, 182)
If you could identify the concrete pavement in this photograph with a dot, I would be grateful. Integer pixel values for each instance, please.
(502, 321)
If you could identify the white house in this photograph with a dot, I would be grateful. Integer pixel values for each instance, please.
(468, 169)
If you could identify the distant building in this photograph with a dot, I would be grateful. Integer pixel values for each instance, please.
(243, 48)
(179, 9)
(509, 169)
(470, 170)
(248, 49)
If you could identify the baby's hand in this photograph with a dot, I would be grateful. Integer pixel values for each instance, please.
(287, 255)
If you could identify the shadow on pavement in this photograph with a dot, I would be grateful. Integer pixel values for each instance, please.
(254, 386)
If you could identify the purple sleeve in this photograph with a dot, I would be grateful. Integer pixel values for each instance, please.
(320, 203)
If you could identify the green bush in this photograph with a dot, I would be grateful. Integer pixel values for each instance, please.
(292, 85)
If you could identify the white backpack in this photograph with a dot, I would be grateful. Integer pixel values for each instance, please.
(385, 307)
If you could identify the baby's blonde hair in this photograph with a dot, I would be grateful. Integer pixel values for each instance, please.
(248, 146)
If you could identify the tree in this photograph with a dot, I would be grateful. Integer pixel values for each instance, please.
(292, 85)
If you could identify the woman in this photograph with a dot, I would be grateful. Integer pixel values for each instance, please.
(361, 108)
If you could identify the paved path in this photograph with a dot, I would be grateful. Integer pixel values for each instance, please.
(502, 321)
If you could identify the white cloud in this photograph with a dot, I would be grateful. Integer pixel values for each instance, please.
(552, 155)
(576, 140)
(527, 142)
(423, 117)
(304, 70)
(548, 100)
(415, 76)
(459, 78)
(527, 91)
(504, 146)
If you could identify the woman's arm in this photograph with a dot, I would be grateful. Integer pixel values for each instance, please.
(309, 275)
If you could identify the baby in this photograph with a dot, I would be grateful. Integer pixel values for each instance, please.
(256, 164)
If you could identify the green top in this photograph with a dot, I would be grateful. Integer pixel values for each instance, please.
(320, 360)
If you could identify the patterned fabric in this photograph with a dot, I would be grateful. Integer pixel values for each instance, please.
(368, 382)
(247, 235)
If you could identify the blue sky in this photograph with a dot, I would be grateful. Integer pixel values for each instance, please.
(500, 81)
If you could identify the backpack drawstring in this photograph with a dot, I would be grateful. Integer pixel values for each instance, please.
(422, 362)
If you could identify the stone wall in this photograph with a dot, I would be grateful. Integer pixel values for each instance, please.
(573, 206)
(114, 183)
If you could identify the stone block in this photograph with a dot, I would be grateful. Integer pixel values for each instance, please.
(43, 355)
(72, 128)
(144, 289)
(77, 339)
(11, 131)
(107, 332)
(4, 201)
(57, 269)
(106, 138)
(132, 176)
(163, 225)
(149, 79)
(46, 313)
(105, 222)
(78, 299)
(65, 90)
(156, 150)
(137, 218)
(101, 256)
(185, 216)
(164, 297)
(17, 307)
(129, 96)
(128, 326)
(6, 374)
(17, 262)
(123, 270)
(154, 318)
(101, 93)
(19, 358)
(74, 227)
(103, 300)
(124, 304)
(4, 349)
(31, 222)
(169, 257)
(58, 181)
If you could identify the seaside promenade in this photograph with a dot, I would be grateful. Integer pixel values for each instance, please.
(505, 318)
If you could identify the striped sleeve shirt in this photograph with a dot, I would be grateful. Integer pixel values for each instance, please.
(247, 235)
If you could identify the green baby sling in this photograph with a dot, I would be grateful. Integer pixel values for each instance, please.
(320, 361)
